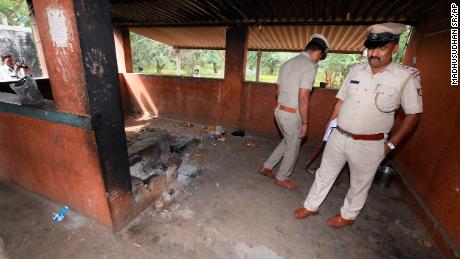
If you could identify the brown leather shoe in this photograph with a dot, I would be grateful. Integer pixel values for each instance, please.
(287, 184)
(266, 172)
(303, 213)
(339, 222)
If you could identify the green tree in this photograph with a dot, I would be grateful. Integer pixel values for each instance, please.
(191, 59)
(150, 56)
(403, 41)
(215, 58)
(335, 67)
(251, 65)
(15, 12)
(210, 62)
(252, 60)
(270, 61)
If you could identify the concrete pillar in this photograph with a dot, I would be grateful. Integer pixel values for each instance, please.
(123, 50)
(229, 94)
(259, 60)
(59, 36)
(178, 66)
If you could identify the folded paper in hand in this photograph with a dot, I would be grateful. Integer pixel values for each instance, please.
(332, 125)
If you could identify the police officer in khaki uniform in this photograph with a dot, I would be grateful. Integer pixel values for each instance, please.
(365, 109)
(295, 81)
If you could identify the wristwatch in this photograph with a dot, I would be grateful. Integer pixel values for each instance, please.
(390, 145)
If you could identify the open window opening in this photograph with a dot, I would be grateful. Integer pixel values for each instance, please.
(21, 53)
(156, 58)
(263, 65)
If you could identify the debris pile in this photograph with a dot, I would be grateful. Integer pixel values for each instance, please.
(155, 152)
(214, 133)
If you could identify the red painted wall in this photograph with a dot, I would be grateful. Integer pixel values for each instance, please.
(57, 161)
(430, 158)
(259, 101)
(184, 98)
(197, 99)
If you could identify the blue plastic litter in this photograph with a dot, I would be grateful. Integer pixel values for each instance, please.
(60, 215)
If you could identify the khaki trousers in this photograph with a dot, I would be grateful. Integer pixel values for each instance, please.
(288, 149)
(363, 158)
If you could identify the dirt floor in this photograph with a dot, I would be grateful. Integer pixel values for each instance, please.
(227, 211)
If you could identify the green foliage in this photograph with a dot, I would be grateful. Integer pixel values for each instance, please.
(152, 57)
(403, 41)
(270, 64)
(157, 58)
(16, 12)
(334, 68)
(271, 61)
(209, 62)
(252, 60)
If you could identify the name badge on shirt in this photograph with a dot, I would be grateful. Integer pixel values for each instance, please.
(354, 82)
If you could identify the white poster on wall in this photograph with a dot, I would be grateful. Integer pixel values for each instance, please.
(58, 27)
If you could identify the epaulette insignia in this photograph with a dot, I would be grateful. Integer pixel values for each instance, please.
(412, 70)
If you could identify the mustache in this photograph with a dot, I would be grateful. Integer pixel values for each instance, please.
(374, 57)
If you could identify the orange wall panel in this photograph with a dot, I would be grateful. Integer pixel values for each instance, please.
(429, 159)
(57, 161)
(197, 99)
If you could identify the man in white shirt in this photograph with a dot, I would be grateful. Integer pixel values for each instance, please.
(10, 70)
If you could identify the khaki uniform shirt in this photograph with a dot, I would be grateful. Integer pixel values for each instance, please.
(298, 72)
(360, 114)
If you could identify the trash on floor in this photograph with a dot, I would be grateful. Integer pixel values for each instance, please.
(238, 133)
(216, 134)
(208, 128)
(187, 124)
(252, 144)
(58, 217)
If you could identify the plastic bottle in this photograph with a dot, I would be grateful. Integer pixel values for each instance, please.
(60, 215)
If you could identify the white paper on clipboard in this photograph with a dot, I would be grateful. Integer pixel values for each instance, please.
(332, 125)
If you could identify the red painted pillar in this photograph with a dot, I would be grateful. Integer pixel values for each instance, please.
(229, 94)
(80, 52)
(124, 63)
(123, 50)
(58, 32)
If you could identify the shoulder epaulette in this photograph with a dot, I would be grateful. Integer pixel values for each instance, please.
(358, 64)
(411, 70)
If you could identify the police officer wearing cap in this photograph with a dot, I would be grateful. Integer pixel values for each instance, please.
(295, 81)
(367, 101)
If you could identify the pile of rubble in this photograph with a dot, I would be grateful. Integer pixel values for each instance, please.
(155, 152)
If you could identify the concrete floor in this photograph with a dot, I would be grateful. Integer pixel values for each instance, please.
(228, 211)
